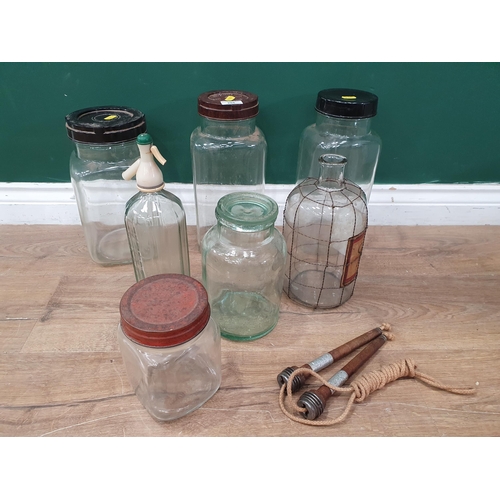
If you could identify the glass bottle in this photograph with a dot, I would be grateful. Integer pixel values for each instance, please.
(154, 218)
(105, 146)
(343, 127)
(170, 345)
(324, 225)
(228, 151)
(243, 258)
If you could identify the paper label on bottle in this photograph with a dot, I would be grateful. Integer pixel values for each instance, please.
(352, 257)
(229, 103)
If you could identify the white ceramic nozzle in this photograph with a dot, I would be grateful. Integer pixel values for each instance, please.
(148, 175)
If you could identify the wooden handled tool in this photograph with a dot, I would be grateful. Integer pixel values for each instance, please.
(330, 357)
(315, 401)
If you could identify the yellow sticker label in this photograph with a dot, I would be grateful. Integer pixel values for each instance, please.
(349, 97)
(111, 117)
(230, 98)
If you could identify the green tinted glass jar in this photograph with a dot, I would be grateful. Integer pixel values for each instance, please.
(243, 259)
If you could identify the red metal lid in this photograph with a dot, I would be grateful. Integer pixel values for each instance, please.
(164, 310)
(228, 105)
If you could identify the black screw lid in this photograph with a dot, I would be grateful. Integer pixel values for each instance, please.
(347, 103)
(105, 124)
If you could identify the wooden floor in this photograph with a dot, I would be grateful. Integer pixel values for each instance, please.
(61, 373)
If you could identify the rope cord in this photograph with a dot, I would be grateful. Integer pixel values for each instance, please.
(360, 389)
(386, 328)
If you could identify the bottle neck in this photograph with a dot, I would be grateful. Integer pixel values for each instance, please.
(107, 152)
(342, 126)
(331, 173)
(228, 128)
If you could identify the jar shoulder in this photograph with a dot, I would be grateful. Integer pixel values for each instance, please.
(200, 138)
(313, 133)
(162, 199)
(214, 244)
(101, 162)
(307, 196)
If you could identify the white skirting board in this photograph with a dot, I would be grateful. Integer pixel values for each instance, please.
(390, 204)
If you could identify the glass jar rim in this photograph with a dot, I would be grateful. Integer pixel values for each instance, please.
(332, 159)
(246, 211)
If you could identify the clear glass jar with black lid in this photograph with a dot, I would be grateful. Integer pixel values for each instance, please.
(171, 347)
(228, 151)
(105, 146)
(243, 259)
(343, 126)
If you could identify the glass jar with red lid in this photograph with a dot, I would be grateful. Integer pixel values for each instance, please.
(170, 345)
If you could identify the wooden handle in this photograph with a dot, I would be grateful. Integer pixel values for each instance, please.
(361, 358)
(352, 345)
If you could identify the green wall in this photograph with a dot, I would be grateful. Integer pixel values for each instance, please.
(438, 121)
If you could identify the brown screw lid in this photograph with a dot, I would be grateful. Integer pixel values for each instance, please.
(228, 105)
(164, 310)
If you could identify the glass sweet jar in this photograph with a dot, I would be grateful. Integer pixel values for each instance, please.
(243, 258)
(324, 225)
(343, 126)
(228, 151)
(105, 146)
(170, 345)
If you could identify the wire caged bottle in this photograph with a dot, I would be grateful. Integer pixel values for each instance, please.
(324, 226)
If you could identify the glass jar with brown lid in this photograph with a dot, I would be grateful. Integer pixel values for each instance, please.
(228, 151)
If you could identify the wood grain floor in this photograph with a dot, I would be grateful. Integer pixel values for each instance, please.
(61, 373)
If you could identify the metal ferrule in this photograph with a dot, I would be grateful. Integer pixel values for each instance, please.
(285, 375)
(313, 405)
(321, 362)
(339, 379)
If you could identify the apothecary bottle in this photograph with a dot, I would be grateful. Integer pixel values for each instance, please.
(170, 345)
(154, 218)
(324, 225)
(105, 146)
(243, 258)
(343, 126)
(228, 151)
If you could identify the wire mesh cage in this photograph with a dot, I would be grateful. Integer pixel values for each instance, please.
(324, 225)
